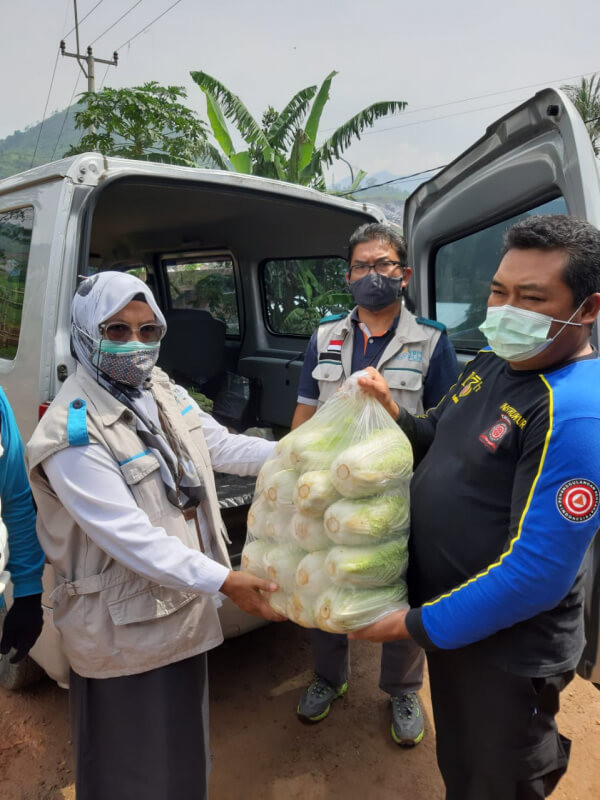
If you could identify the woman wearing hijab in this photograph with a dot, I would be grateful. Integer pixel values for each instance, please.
(121, 470)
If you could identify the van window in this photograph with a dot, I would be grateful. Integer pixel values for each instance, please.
(463, 273)
(298, 292)
(15, 242)
(207, 284)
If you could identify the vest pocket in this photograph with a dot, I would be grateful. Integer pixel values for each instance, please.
(328, 372)
(152, 603)
(138, 466)
(410, 380)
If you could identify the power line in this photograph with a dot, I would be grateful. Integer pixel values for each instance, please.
(83, 18)
(393, 180)
(45, 110)
(66, 115)
(129, 10)
(476, 97)
(104, 77)
(431, 169)
(143, 30)
(444, 116)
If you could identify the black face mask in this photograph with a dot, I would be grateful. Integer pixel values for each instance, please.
(375, 291)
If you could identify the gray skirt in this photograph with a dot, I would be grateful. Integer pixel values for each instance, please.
(142, 737)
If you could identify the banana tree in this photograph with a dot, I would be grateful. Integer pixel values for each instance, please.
(586, 99)
(283, 145)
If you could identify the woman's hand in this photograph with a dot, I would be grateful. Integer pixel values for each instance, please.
(245, 591)
(376, 385)
(389, 629)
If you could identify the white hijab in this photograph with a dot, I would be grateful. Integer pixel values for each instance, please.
(97, 299)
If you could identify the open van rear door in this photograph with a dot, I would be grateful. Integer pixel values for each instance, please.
(536, 159)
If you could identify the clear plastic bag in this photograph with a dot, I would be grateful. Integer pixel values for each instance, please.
(329, 520)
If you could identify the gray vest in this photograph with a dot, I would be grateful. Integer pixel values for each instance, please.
(403, 363)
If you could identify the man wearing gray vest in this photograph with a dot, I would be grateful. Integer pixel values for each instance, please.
(416, 358)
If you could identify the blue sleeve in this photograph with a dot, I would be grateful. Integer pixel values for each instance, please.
(441, 374)
(26, 558)
(308, 387)
(547, 543)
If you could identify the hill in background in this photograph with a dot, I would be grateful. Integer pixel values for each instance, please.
(57, 135)
(390, 196)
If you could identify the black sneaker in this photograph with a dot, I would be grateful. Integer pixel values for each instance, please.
(407, 720)
(317, 698)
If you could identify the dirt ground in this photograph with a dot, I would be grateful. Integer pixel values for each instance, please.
(260, 750)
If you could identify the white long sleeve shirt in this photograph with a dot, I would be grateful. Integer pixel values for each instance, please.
(88, 482)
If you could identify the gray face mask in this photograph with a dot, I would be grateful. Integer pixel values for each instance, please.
(375, 291)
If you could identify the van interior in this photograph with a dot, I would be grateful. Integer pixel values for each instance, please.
(223, 263)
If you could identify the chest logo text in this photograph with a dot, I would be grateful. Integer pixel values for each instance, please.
(472, 383)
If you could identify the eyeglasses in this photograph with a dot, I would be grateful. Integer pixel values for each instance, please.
(383, 267)
(149, 333)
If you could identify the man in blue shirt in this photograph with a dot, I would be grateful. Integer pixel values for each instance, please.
(505, 500)
(418, 363)
(25, 564)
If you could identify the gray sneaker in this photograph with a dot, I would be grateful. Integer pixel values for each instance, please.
(317, 698)
(407, 720)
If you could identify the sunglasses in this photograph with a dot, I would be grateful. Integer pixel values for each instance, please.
(149, 333)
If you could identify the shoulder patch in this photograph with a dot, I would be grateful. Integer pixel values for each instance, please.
(333, 317)
(578, 499)
(77, 430)
(432, 323)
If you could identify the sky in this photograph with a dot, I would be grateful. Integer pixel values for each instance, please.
(431, 54)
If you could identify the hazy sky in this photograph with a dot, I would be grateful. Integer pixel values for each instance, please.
(427, 53)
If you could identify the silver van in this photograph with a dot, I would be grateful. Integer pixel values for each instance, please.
(264, 259)
(242, 267)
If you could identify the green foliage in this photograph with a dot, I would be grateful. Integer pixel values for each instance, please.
(205, 403)
(209, 286)
(299, 292)
(586, 98)
(144, 122)
(282, 146)
(15, 242)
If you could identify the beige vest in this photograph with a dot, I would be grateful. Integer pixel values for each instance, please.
(113, 621)
(403, 363)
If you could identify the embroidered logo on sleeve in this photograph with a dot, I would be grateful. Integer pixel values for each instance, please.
(335, 345)
(578, 499)
(492, 436)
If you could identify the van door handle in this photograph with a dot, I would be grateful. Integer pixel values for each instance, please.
(297, 357)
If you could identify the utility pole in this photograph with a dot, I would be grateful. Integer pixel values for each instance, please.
(89, 59)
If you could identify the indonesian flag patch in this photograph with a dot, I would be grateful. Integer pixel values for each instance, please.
(335, 345)
(578, 499)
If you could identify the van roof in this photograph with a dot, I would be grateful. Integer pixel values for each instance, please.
(88, 169)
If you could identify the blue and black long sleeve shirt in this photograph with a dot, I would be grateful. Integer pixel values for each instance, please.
(504, 505)
(26, 558)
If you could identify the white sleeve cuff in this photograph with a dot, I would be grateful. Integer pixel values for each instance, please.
(214, 576)
(308, 401)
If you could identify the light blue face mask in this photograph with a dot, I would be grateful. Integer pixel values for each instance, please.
(121, 348)
(517, 334)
